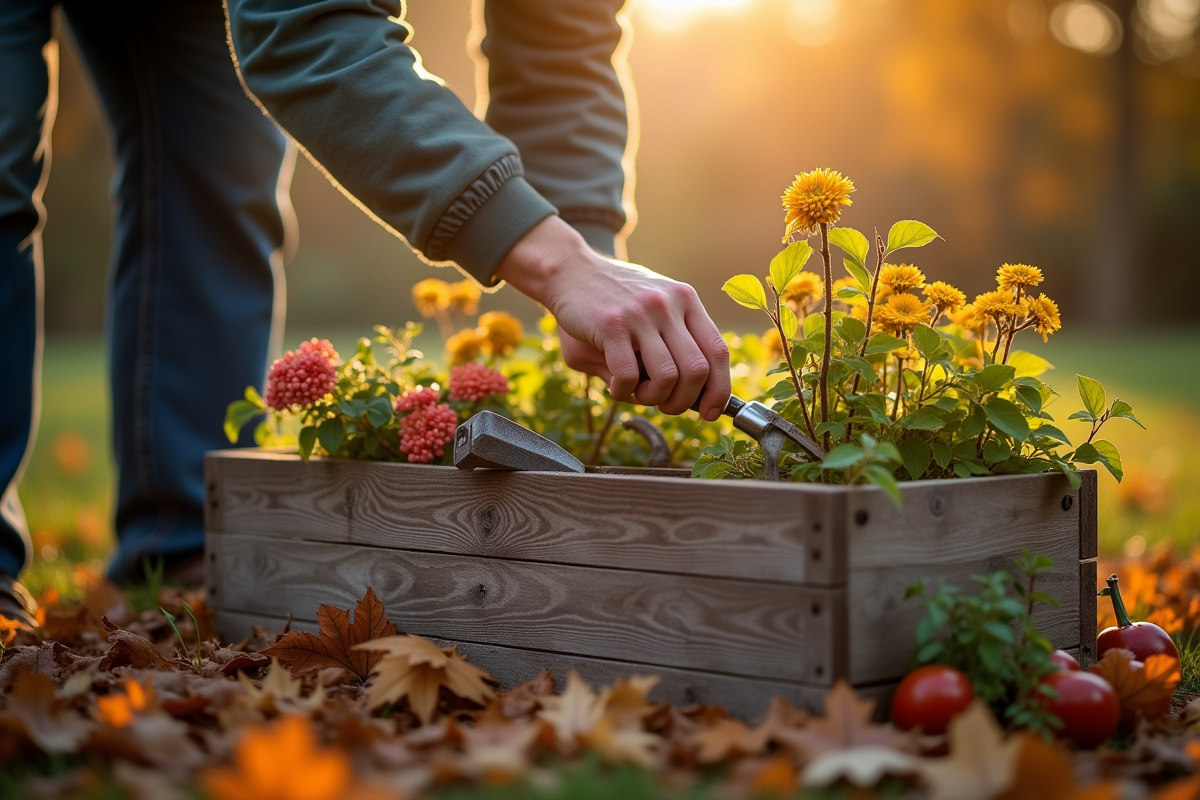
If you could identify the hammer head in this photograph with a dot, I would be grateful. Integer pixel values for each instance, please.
(490, 441)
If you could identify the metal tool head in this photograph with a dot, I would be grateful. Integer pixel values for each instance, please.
(771, 431)
(490, 441)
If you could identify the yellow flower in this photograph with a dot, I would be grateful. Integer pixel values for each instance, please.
(464, 346)
(997, 306)
(967, 318)
(464, 297)
(773, 344)
(944, 297)
(902, 312)
(909, 355)
(431, 296)
(806, 288)
(901, 277)
(1018, 276)
(1044, 313)
(501, 331)
(814, 198)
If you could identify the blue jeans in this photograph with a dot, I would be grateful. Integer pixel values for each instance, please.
(202, 209)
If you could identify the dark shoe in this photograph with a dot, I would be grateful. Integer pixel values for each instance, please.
(187, 572)
(16, 603)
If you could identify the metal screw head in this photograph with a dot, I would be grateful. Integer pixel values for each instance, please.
(1067, 502)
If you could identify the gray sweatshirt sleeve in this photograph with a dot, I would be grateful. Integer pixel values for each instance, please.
(338, 76)
(554, 91)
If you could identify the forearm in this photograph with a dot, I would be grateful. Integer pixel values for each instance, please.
(555, 92)
(339, 78)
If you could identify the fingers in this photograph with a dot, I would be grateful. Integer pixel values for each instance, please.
(692, 368)
(716, 353)
(622, 367)
(660, 366)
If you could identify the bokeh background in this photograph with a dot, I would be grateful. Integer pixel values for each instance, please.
(1063, 133)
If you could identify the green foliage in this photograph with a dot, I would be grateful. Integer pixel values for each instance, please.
(990, 638)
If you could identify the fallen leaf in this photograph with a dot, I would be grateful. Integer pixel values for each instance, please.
(129, 649)
(725, 738)
(497, 750)
(118, 709)
(526, 698)
(280, 692)
(573, 714)
(625, 701)
(245, 662)
(846, 723)
(35, 710)
(981, 763)
(1044, 772)
(417, 669)
(281, 762)
(861, 766)
(620, 743)
(776, 777)
(1145, 691)
(1188, 789)
(141, 783)
(335, 645)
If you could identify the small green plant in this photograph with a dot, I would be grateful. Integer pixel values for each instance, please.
(196, 661)
(144, 596)
(990, 638)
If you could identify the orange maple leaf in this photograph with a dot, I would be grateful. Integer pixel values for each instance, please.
(334, 647)
(847, 723)
(119, 708)
(1044, 772)
(418, 669)
(1144, 691)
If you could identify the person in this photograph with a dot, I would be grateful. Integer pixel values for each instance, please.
(531, 195)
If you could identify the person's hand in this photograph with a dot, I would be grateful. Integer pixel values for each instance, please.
(611, 312)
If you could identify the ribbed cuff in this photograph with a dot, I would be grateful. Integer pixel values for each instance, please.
(485, 239)
(598, 237)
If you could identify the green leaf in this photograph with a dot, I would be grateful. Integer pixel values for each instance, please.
(852, 330)
(786, 266)
(379, 411)
(1104, 452)
(787, 318)
(1030, 397)
(237, 414)
(926, 339)
(859, 274)
(974, 424)
(849, 292)
(1027, 364)
(784, 390)
(1051, 432)
(925, 418)
(712, 470)
(1007, 418)
(308, 438)
(746, 290)
(909, 233)
(835, 429)
(330, 434)
(842, 456)
(995, 453)
(355, 409)
(1125, 411)
(941, 453)
(860, 365)
(252, 396)
(915, 454)
(884, 479)
(1092, 394)
(884, 343)
(813, 324)
(852, 243)
(994, 377)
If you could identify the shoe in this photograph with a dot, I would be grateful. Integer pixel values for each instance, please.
(187, 572)
(16, 603)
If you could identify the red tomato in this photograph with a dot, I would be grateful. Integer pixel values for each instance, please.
(1143, 639)
(929, 697)
(1086, 704)
(1064, 660)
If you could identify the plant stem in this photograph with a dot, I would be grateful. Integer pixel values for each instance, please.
(604, 429)
(787, 356)
(1123, 620)
(899, 385)
(862, 351)
(828, 354)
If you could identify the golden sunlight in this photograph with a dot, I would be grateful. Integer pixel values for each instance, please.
(678, 14)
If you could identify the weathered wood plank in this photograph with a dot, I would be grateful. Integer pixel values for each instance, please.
(213, 491)
(1089, 530)
(746, 698)
(1088, 580)
(752, 628)
(724, 529)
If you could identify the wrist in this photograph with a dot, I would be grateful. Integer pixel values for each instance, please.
(540, 260)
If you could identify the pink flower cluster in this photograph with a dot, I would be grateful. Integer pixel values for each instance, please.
(428, 428)
(301, 378)
(474, 381)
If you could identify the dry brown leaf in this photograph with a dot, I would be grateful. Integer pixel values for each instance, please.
(860, 766)
(1144, 692)
(1180, 790)
(573, 714)
(129, 649)
(334, 646)
(35, 710)
(497, 750)
(417, 669)
(846, 723)
(526, 698)
(981, 763)
(1044, 772)
(625, 701)
(280, 692)
(725, 738)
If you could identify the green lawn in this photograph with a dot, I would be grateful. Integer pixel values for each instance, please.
(67, 490)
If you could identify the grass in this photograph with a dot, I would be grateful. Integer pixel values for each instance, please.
(67, 491)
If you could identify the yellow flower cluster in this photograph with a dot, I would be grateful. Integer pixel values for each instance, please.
(901, 313)
(803, 292)
(433, 297)
(497, 335)
(815, 198)
(1010, 309)
(901, 277)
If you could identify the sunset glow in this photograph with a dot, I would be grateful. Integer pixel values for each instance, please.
(678, 14)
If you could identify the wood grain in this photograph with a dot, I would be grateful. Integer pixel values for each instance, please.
(213, 520)
(726, 529)
(752, 628)
(1089, 530)
(1088, 580)
(745, 698)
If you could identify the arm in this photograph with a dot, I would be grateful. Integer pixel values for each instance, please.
(555, 90)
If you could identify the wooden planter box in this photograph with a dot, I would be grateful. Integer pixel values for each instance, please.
(731, 591)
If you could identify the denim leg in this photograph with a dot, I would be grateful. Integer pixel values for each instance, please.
(27, 104)
(202, 213)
